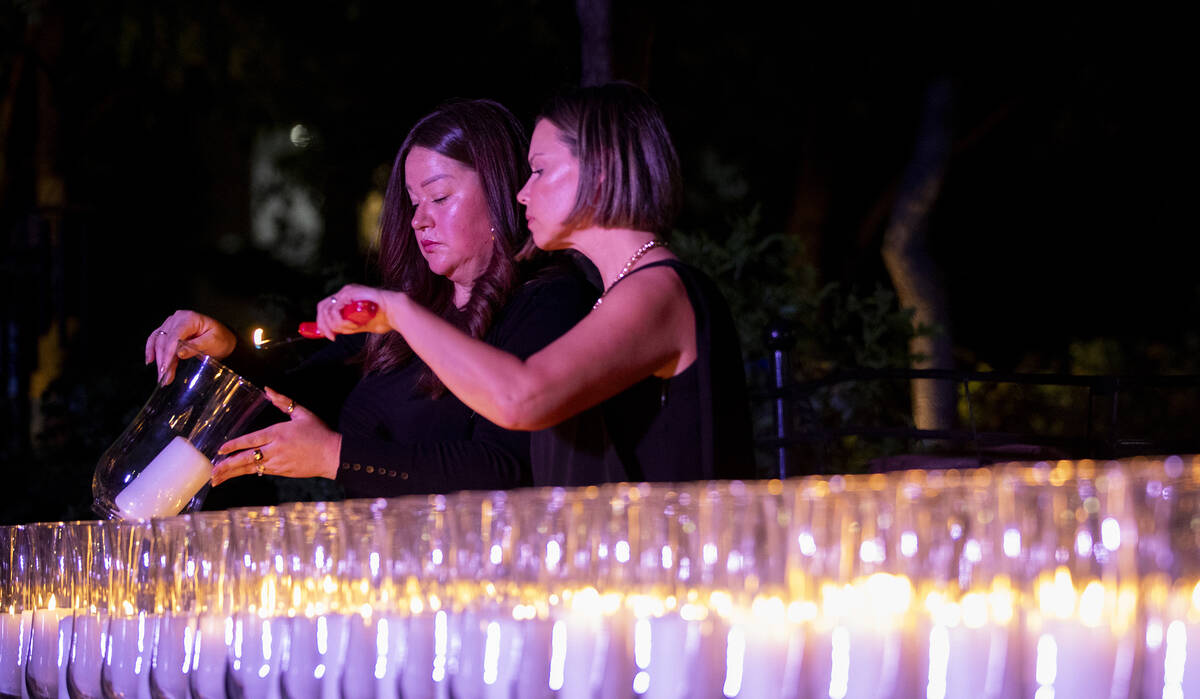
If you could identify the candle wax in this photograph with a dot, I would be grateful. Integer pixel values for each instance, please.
(171, 665)
(46, 670)
(374, 657)
(488, 653)
(316, 651)
(1076, 660)
(209, 657)
(87, 655)
(257, 655)
(15, 635)
(127, 659)
(167, 483)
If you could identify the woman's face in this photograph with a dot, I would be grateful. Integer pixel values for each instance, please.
(549, 195)
(450, 217)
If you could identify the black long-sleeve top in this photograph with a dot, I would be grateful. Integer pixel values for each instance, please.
(397, 440)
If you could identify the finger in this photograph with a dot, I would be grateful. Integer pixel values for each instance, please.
(151, 343)
(285, 404)
(239, 464)
(164, 349)
(261, 438)
(327, 314)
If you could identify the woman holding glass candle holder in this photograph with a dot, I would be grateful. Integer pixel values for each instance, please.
(657, 356)
(450, 236)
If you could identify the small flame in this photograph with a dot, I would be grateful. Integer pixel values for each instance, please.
(258, 338)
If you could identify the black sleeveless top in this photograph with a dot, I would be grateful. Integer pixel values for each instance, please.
(693, 426)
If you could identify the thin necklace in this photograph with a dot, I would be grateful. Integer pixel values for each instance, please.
(637, 255)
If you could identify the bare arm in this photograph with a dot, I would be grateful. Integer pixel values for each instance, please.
(645, 327)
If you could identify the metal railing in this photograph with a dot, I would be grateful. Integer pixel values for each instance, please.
(1105, 434)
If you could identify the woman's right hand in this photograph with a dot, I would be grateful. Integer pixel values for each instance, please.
(204, 334)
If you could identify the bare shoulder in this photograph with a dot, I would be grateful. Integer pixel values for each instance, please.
(655, 301)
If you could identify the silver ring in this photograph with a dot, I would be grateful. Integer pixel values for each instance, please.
(332, 299)
(162, 332)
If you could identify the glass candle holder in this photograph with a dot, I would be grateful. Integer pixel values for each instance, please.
(161, 464)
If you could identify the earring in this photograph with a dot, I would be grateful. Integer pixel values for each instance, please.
(493, 229)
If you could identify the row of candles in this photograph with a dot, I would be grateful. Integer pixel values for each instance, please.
(1067, 579)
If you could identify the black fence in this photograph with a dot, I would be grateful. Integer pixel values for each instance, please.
(1001, 417)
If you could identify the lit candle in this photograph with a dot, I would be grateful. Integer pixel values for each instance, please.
(316, 652)
(46, 670)
(425, 648)
(859, 639)
(1172, 663)
(257, 649)
(374, 656)
(489, 645)
(1080, 643)
(16, 629)
(588, 645)
(764, 650)
(87, 654)
(174, 642)
(127, 658)
(167, 483)
(969, 646)
(214, 636)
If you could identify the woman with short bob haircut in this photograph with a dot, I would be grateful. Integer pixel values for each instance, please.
(647, 386)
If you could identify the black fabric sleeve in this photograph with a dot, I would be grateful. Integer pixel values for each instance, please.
(493, 457)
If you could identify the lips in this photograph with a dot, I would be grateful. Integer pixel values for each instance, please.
(428, 245)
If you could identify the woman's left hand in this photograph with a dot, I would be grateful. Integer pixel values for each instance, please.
(302, 447)
(329, 311)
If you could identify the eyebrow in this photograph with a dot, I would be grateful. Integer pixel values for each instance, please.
(435, 178)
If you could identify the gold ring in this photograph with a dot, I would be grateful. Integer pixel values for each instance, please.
(259, 469)
(258, 455)
(291, 407)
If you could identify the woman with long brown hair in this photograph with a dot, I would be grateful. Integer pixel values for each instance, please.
(451, 237)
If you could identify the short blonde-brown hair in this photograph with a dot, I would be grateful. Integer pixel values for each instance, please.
(628, 167)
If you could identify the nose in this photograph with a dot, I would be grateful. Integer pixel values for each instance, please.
(522, 196)
(421, 218)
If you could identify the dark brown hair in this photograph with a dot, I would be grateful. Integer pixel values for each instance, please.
(487, 138)
(628, 168)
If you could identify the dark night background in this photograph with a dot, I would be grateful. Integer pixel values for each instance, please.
(127, 129)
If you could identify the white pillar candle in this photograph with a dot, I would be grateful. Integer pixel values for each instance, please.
(316, 652)
(374, 657)
(545, 649)
(590, 649)
(256, 654)
(127, 658)
(1072, 659)
(167, 483)
(770, 652)
(16, 632)
(214, 636)
(486, 648)
(87, 655)
(426, 645)
(171, 664)
(855, 659)
(46, 669)
(964, 661)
